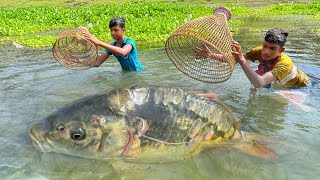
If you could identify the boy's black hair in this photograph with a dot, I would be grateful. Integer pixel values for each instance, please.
(117, 21)
(276, 35)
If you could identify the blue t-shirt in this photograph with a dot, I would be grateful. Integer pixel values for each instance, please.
(130, 61)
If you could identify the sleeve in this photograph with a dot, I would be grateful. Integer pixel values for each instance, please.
(254, 54)
(280, 71)
(283, 67)
(133, 44)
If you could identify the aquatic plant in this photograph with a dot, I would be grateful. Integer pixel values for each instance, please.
(149, 23)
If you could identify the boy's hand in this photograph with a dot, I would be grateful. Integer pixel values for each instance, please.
(203, 52)
(91, 38)
(237, 54)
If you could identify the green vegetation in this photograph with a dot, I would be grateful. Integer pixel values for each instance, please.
(250, 3)
(150, 23)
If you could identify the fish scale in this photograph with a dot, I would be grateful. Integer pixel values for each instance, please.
(182, 112)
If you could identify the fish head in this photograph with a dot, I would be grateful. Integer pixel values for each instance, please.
(77, 132)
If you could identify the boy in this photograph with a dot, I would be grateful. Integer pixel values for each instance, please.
(274, 65)
(124, 49)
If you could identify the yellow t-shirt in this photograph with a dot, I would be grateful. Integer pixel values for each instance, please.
(284, 70)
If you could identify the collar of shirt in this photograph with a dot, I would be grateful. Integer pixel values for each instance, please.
(123, 43)
(265, 66)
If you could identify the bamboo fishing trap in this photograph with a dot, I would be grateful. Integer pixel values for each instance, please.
(211, 32)
(73, 51)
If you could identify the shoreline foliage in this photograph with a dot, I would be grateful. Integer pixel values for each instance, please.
(148, 23)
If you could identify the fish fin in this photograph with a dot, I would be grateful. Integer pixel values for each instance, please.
(138, 126)
(297, 98)
(257, 148)
(143, 127)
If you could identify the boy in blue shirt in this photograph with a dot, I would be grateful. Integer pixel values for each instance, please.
(124, 49)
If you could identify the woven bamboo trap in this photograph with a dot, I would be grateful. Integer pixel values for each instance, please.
(211, 32)
(73, 51)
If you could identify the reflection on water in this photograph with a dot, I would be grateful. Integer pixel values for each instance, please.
(259, 107)
(33, 85)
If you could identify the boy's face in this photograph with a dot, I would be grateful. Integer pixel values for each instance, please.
(117, 32)
(271, 50)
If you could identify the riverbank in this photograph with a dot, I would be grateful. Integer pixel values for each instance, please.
(149, 23)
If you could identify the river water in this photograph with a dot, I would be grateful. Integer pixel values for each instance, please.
(33, 85)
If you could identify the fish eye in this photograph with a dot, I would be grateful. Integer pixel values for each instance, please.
(77, 134)
(60, 128)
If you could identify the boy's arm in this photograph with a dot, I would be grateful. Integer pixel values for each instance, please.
(257, 80)
(114, 49)
(102, 58)
(204, 52)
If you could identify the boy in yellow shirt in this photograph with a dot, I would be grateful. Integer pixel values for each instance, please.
(274, 65)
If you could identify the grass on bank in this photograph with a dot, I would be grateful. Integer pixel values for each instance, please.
(251, 3)
(149, 23)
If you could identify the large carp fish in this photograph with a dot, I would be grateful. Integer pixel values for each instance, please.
(154, 124)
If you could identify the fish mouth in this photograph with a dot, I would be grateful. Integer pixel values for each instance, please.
(36, 134)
